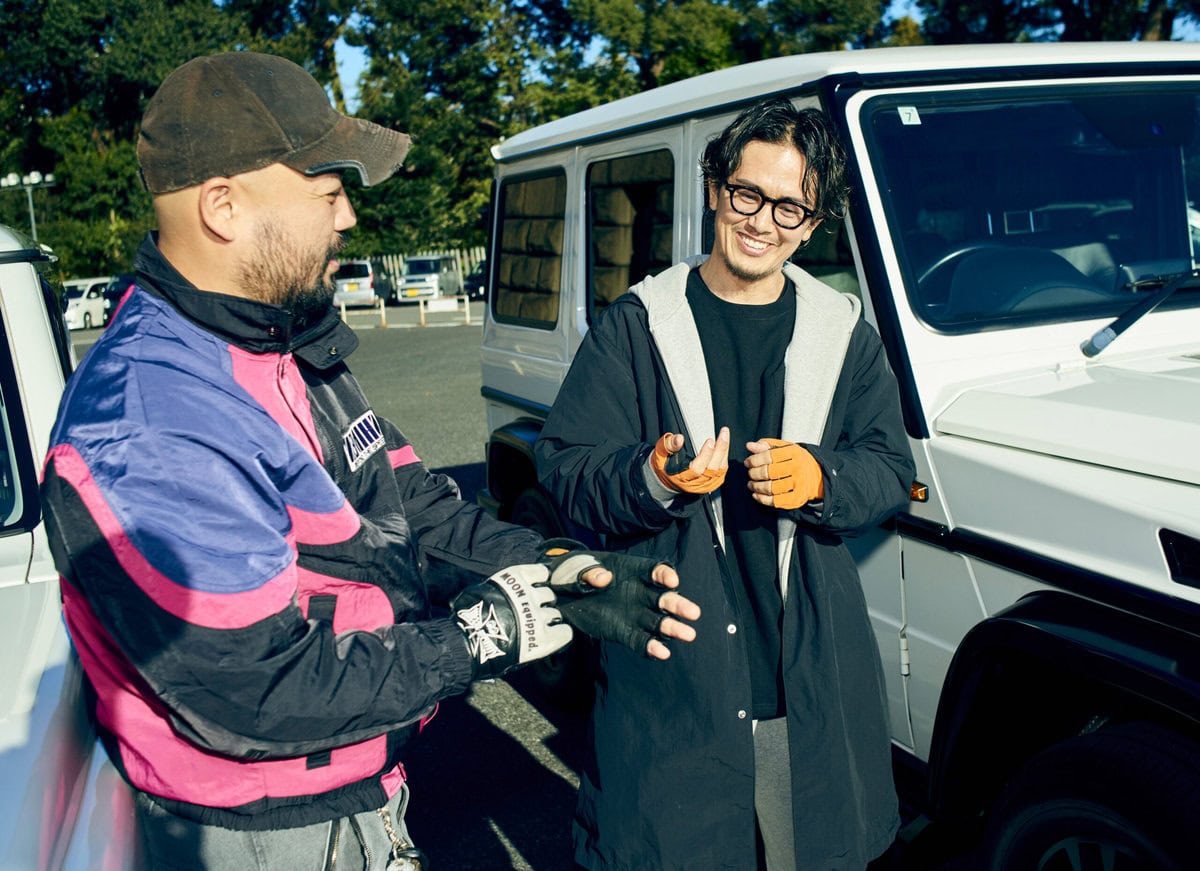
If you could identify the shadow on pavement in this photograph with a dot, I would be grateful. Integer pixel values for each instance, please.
(477, 792)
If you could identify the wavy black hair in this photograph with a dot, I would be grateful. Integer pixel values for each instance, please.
(776, 121)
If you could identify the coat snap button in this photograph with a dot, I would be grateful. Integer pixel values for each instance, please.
(741, 715)
(731, 629)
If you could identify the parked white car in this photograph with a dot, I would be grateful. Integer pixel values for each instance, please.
(1020, 235)
(85, 304)
(355, 284)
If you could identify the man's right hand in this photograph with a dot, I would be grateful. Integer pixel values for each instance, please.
(628, 599)
(700, 474)
(510, 620)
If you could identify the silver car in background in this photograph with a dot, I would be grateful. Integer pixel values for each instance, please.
(430, 277)
(354, 284)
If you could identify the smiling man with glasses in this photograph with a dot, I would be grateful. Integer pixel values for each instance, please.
(734, 415)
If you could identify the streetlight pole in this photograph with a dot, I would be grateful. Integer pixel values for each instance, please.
(29, 181)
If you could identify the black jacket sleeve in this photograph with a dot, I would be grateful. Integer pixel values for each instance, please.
(611, 409)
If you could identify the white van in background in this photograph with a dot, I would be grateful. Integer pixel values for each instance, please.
(1019, 235)
(84, 303)
(429, 277)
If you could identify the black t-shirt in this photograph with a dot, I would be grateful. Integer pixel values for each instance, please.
(744, 348)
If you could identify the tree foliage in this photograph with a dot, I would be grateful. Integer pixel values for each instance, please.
(458, 75)
(975, 21)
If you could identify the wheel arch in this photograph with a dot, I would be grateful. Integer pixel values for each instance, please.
(510, 463)
(1051, 666)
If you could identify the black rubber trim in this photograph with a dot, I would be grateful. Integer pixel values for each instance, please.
(24, 255)
(1182, 553)
(1162, 608)
(525, 405)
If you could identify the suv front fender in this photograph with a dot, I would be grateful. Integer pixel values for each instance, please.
(1051, 666)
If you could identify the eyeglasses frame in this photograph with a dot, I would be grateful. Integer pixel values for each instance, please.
(808, 213)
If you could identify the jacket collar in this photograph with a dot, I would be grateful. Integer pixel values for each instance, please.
(253, 326)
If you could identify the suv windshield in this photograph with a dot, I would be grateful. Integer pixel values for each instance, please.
(421, 266)
(1010, 207)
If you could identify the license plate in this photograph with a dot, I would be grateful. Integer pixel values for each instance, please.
(411, 292)
(353, 285)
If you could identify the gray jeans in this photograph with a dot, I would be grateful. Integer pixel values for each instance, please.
(358, 843)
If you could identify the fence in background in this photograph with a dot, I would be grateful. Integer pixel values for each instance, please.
(391, 266)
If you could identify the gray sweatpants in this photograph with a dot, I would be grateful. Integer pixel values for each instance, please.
(773, 793)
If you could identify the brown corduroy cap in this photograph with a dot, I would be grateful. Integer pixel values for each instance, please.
(241, 111)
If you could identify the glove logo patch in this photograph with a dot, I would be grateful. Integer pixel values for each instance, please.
(483, 631)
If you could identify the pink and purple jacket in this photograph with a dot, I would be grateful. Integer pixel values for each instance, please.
(251, 559)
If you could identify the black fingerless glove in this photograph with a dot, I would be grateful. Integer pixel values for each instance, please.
(626, 611)
(510, 620)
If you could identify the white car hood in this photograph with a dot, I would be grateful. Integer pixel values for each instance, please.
(1140, 415)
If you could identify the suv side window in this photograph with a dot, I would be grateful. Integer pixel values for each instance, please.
(20, 507)
(826, 255)
(530, 243)
(631, 203)
(11, 504)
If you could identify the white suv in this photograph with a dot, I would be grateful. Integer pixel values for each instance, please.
(1019, 235)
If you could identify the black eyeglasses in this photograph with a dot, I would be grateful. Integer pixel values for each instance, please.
(788, 214)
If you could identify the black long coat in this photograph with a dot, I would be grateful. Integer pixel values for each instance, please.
(671, 784)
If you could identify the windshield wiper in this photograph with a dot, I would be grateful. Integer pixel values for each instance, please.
(1167, 284)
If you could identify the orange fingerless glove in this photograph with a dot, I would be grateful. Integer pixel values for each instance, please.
(685, 480)
(794, 474)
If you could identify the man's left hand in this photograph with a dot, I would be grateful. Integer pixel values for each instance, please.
(622, 598)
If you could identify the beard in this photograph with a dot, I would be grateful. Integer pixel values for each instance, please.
(288, 275)
(749, 276)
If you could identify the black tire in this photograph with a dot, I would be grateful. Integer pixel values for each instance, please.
(564, 678)
(1121, 799)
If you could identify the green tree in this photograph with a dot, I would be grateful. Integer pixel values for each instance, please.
(458, 76)
(84, 71)
(663, 40)
(784, 27)
(905, 31)
(972, 21)
(75, 79)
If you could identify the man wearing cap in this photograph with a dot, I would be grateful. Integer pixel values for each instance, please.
(250, 558)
